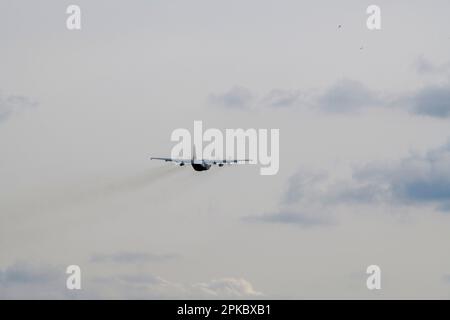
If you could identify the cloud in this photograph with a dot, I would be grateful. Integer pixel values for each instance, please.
(312, 199)
(293, 218)
(301, 204)
(136, 285)
(22, 272)
(416, 179)
(30, 281)
(423, 66)
(13, 103)
(432, 101)
(131, 257)
(358, 192)
(23, 280)
(299, 186)
(147, 286)
(421, 178)
(444, 206)
(236, 98)
(227, 288)
(346, 96)
(279, 98)
(321, 188)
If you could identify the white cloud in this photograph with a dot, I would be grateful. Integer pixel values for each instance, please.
(30, 281)
(227, 288)
(237, 97)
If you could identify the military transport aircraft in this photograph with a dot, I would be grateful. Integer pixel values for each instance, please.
(201, 164)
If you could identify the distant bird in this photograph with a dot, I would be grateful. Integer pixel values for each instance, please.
(339, 26)
(361, 48)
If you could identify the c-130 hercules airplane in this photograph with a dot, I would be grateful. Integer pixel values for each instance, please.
(201, 164)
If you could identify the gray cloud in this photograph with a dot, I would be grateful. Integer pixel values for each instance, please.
(433, 101)
(28, 281)
(132, 257)
(347, 96)
(423, 66)
(299, 185)
(140, 279)
(358, 192)
(23, 280)
(422, 178)
(310, 198)
(305, 188)
(13, 103)
(22, 272)
(444, 206)
(279, 98)
(236, 98)
(415, 179)
(301, 204)
(293, 218)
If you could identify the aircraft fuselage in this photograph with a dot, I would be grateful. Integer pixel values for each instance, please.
(200, 166)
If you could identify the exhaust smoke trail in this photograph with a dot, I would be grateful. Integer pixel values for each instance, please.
(118, 186)
(66, 196)
(135, 182)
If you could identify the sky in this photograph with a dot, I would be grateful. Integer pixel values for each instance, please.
(364, 178)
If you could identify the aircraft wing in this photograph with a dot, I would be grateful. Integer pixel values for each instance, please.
(172, 160)
(235, 161)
